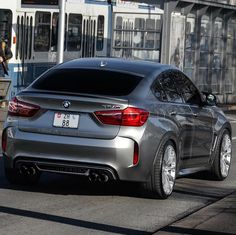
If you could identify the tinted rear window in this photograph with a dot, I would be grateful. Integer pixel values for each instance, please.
(100, 82)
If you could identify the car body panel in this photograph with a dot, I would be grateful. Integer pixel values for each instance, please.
(203, 136)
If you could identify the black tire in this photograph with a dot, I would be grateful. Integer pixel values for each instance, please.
(14, 177)
(216, 169)
(155, 184)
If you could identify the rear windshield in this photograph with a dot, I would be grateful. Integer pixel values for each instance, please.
(100, 82)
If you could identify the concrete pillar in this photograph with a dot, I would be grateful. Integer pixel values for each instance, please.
(165, 47)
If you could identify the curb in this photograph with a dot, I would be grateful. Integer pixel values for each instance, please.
(216, 218)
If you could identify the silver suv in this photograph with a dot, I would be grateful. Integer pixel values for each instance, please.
(112, 119)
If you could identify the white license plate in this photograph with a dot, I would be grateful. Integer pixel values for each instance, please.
(66, 120)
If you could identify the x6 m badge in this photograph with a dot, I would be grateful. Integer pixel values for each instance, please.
(111, 106)
(66, 104)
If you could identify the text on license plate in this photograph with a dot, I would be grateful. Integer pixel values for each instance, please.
(66, 120)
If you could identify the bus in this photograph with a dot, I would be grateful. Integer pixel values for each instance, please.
(93, 28)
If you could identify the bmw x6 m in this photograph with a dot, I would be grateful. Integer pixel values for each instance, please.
(114, 119)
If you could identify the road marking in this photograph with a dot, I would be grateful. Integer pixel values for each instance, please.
(232, 121)
(233, 138)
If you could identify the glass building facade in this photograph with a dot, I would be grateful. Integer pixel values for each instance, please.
(207, 48)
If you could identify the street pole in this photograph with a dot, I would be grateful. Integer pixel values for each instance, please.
(110, 26)
(61, 30)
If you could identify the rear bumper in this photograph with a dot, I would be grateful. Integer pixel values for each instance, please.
(73, 154)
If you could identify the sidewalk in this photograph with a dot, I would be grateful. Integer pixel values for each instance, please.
(217, 218)
(228, 108)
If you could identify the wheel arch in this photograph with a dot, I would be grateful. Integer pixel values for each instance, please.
(169, 136)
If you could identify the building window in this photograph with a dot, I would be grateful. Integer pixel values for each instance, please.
(205, 36)
(229, 73)
(218, 44)
(190, 39)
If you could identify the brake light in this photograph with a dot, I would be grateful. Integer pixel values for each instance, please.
(4, 141)
(127, 117)
(21, 109)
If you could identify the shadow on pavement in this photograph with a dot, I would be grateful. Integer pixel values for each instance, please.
(73, 185)
(70, 221)
(191, 231)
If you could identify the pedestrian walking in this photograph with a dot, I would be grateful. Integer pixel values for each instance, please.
(5, 55)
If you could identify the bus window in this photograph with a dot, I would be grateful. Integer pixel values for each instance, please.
(150, 34)
(6, 25)
(118, 31)
(22, 36)
(26, 37)
(158, 35)
(159, 24)
(17, 36)
(54, 32)
(42, 31)
(74, 32)
(30, 36)
(100, 33)
(139, 25)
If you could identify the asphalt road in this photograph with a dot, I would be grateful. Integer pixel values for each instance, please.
(66, 205)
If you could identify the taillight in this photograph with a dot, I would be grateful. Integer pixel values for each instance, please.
(21, 109)
(4, 141)
(127, 117)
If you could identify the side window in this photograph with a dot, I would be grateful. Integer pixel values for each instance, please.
(165, 89)
(159, 92)
(190, 93)
(42, 31)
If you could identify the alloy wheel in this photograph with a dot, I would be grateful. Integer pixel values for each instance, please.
(225, 155)
(169, 169)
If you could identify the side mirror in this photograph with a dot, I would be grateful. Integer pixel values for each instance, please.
(209, 99)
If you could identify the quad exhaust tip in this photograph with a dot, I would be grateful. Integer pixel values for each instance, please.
(96, 177)
(27, 170)
(93, 176)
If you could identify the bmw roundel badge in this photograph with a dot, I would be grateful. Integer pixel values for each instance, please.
(66, 104)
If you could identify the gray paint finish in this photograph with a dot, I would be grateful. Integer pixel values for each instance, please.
(190, 127)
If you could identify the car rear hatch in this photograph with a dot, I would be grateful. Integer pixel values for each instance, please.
(68, 99)
(78, 119)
